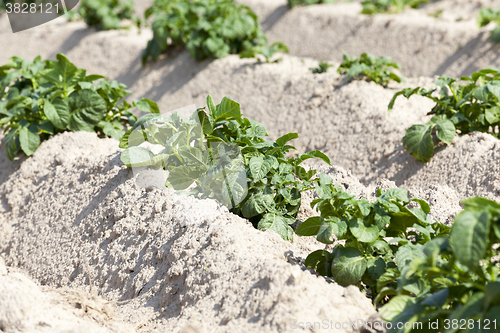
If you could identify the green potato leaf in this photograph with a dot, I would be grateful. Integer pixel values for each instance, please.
(87, 108)
(418, 142)
(113, 130)
(226, 110)
(464, 105)
(105, 14)
(492, 294)
(58, 112)
(180, 178)
(283, 140)
(320, 261)
(11, 144)
(378, 70)
(408, 253)
(469, 236)
(348, 266)
(396, 306)
(363, 231)
(260, 166)
(309, 227)
(147, 105)
(258, 203)
(137, 156)
(29, 139)
(445, 129)
(278, 224)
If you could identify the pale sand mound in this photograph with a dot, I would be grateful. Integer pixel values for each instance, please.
(470, 165)
(24, 307)
(75, 215)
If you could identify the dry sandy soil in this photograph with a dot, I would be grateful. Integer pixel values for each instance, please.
(83, 248)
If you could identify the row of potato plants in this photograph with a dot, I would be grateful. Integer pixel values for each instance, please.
(105, 14)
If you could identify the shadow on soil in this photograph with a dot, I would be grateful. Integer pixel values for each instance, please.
(72, 41)
(469, 54)
(274, 17)
(177, 68)
(400, 157)
(409, 166)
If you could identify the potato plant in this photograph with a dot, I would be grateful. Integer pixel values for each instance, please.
(467, 104)
(42, 98)
(379, 70)
(455, 285)
(208, 28)
(218, 154)
(379, 238)
(105, 14)
(322, 68)
(293, 3)
(389, 6)
(267, 52)
(487, 15)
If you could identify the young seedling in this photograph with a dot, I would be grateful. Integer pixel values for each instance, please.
(379, 70)
(105, 14)
(487, 15)
(371, 7)
(207, 28)
(267, 52)
(322, 68)
(218, 154)
(467, 104)
(293, 3)
(436, 14)
(41, 98)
